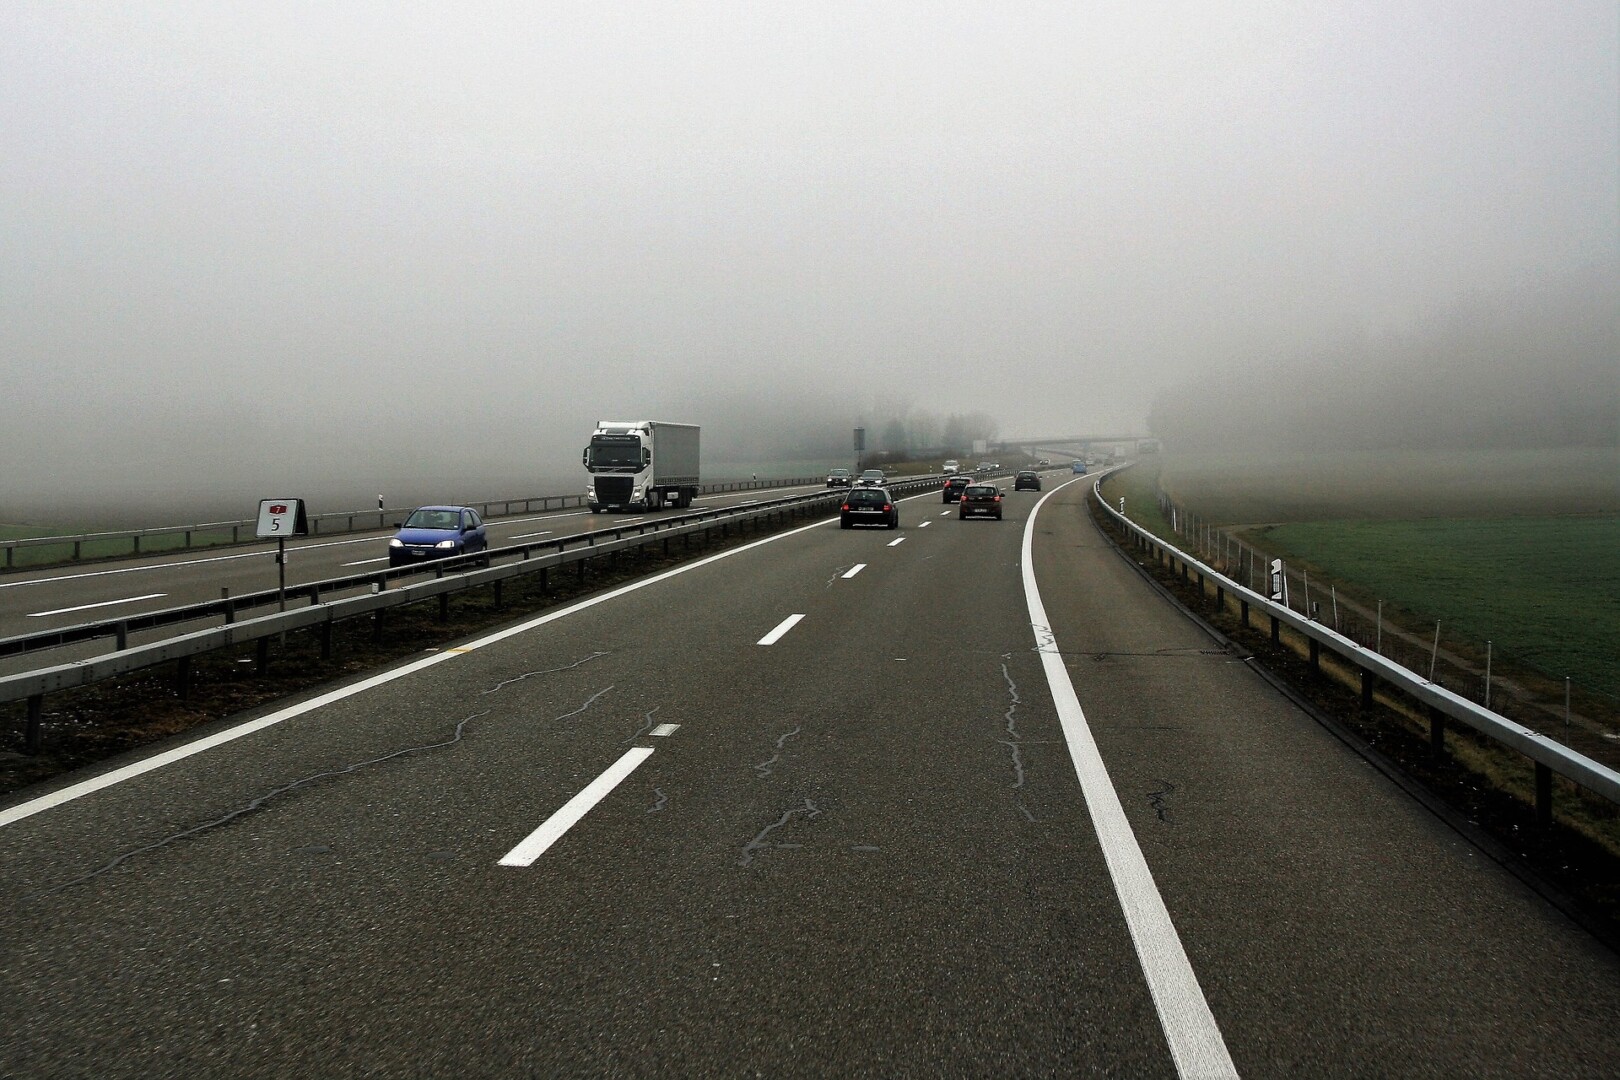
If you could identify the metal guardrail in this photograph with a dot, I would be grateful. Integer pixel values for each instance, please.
(476, 571)
(1549, 755)
(213, 532)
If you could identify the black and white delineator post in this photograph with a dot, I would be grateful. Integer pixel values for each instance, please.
(279, 519)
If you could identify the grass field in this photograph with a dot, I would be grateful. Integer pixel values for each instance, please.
(1520, 549)
(1545, 591)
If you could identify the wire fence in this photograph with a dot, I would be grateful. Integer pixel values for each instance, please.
(1581, 716)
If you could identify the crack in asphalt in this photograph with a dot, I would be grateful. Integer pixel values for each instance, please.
(809, 809)
(1014, 742)
(764, 768)
(836, 574)
(260, 801)
(1159, 800)
(255, 804)
(648, 726)
(663, 801)
(548, 671)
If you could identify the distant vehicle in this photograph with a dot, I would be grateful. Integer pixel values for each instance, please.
(954, 485)
(1043, 463)
(869, 506)
(1027, 478)
(839, 478)
(951, 467)
(1079, 468)
(979, 500)
(985, 466)
(437, 532)
(641, 465)
(872, 478)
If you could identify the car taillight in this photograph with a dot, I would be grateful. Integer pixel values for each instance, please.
(886, 506)
(998, 498)
(844, 507)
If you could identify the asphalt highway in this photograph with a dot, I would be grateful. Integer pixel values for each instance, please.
(835, 803)
(37, 600)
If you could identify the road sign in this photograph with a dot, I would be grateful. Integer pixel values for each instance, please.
(282, 518)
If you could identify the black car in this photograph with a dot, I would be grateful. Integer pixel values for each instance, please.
(1027, 478)
(954, 485)
(979, 500)
(869, 506)
(840, 478)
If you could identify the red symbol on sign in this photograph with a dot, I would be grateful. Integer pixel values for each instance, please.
(278, 508)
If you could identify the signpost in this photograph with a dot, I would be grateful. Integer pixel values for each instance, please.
(279, 519)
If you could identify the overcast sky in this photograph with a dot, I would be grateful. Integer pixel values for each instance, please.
(404, 232)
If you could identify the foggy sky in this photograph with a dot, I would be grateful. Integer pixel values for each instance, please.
(288, 244)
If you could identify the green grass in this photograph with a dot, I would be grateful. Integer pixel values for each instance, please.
(1545, 591)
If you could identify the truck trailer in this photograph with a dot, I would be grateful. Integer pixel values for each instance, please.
(641, 465)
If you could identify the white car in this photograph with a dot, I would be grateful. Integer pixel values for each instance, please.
(952, 467)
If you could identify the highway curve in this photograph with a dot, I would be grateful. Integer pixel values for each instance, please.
(859, 848)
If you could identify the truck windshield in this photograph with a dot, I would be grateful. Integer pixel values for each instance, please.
(615, 452)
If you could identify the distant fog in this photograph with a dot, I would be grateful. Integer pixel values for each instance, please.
(1538, 368)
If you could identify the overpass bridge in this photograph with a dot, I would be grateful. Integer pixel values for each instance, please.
(1132, 444)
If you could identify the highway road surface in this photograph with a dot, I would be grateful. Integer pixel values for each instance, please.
(37, 600)
(961, 799)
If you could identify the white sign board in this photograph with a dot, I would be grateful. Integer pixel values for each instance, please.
(282, 517)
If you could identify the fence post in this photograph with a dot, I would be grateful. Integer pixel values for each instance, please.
(1544, 794)
(34, 737)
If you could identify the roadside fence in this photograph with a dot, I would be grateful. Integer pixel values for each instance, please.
(1239, 576)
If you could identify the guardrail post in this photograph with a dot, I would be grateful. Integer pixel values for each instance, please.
(137, 539)
(188, 538)
(1437, 732)
(77, 547)
(182, 678)
(1544, 795)
(1316, 657)
(33, 736)
(1366, 688)
(122, 631)
(1244, 606)
(1276, 631)
(498, 602)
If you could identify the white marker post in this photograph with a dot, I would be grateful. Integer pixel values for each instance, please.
(281, 518)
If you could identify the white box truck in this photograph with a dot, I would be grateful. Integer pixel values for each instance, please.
(641, 465)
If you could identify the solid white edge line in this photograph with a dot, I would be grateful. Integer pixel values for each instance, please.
(146, 765)
(179, 753)
(553, 828)
(781, 630)
(87, 607)
(1189, 1027)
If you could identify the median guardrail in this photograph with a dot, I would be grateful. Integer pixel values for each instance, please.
(224, 533)
(1548, 755)
(451, 575)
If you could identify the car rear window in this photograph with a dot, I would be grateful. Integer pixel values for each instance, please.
(979, 490)
(868, 498)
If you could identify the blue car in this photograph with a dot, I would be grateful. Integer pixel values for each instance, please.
(437, 532)
(1079, 468)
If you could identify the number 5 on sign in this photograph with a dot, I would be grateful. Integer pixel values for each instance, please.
(282, 517)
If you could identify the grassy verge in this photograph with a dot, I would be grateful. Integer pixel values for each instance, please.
(1490, 786)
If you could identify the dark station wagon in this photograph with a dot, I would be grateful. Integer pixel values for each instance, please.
(869, 506)
(979, 500)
